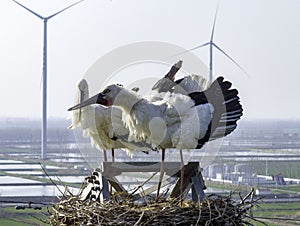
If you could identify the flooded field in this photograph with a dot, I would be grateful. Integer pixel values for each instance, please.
(247, 152)
(28, 178)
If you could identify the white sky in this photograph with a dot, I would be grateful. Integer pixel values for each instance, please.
(262, 36)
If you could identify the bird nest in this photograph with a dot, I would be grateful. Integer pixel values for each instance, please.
(214, 210)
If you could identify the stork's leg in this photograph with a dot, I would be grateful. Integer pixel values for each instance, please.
(113, 160)
(113, 155)
(162, 171)
(181, 177)
(105, 155)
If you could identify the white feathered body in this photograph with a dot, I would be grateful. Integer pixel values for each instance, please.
(170, 121)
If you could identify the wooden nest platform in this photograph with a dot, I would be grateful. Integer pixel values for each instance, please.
(213, 210)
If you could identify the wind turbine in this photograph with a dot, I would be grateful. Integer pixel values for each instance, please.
(211, 44)
(44, 86)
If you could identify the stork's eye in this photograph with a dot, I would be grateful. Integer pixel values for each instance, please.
(106, 91)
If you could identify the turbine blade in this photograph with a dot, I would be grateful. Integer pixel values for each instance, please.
(198, 47)
(64, 9)
(230, 58)
(34, 13)
(186, 51)
(213, 28)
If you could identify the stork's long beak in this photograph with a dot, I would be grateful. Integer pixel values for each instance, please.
(97, 99)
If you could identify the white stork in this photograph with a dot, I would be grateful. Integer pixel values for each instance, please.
(175, 120)
(104, 125)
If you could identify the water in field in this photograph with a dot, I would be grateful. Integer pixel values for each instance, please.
(16, 184)
(43, 190)
(17, 180)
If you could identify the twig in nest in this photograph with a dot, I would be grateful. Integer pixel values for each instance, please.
(140, 219)
(141, 185)
(44, 170)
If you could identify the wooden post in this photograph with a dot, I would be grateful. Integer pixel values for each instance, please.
(192, 178)
(98, 184)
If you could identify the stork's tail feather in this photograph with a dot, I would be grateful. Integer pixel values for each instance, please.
(227, 109)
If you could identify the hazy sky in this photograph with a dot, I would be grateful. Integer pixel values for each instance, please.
(262, 36)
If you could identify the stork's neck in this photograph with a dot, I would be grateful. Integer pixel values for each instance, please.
(126, 100)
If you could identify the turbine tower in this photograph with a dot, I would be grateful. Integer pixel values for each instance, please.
(44, 86)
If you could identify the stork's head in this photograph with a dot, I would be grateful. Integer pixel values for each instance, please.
(110, 93)
(81, 95)
(83, 88)
(106, 97)
(83, 85)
